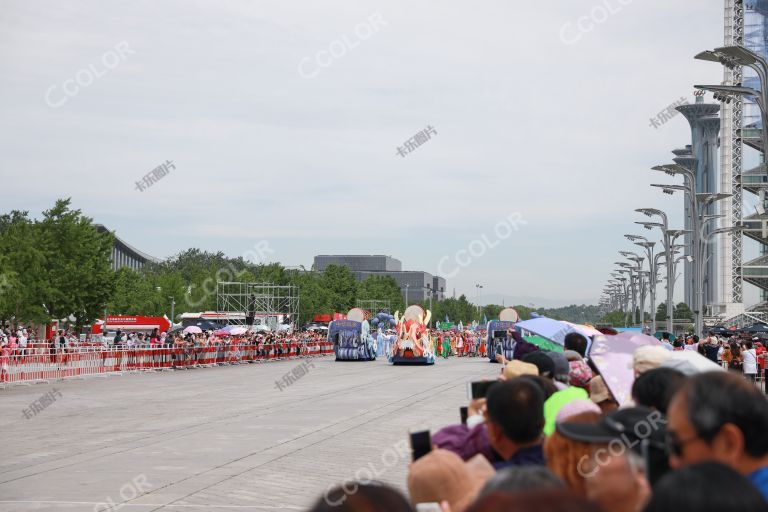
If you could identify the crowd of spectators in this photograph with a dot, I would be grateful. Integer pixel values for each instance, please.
(549, 435)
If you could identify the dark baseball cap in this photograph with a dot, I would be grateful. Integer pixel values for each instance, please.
(630, 425)
(543, 362)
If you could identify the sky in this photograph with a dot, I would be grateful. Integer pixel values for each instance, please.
(282, 122)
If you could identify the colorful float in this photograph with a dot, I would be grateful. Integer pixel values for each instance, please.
(413, 344)
(351, 337)
(498, 338)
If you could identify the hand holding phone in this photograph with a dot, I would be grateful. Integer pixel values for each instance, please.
(421, 444)
(479, 389)
(463, 413)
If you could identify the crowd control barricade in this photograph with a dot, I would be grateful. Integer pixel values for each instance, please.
(41, 363)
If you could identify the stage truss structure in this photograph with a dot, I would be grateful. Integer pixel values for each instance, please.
(374, 306)
(269, 304)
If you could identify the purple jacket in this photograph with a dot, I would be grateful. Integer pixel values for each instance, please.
(465, 442)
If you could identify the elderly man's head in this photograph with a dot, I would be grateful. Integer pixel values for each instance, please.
(722, 417)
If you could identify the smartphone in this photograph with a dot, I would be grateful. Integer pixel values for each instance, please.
(463, 412)
(428, 507)
(656, 461)
(421, 444)
(479, 389)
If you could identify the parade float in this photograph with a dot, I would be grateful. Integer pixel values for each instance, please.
(413, 344)
(498, 334)
(351, 337)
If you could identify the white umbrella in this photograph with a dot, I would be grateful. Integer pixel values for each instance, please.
(193, 329)
(691, 362)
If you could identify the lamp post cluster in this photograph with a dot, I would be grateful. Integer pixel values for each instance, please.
(733, 57)
(636, 282)
(630, 282)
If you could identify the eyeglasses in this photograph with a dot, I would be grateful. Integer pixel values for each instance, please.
(675, 446)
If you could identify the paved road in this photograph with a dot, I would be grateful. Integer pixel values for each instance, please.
(221, 438)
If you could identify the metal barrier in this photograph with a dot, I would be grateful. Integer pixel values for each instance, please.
(44, 365)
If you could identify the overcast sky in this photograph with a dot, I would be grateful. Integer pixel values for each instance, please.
(283, 121)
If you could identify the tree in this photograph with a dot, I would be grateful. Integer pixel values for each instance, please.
(683, 312)
(615, 318)
(77, 266)
(22, 264)
(340, 285)
(661, 312)
(381, 288)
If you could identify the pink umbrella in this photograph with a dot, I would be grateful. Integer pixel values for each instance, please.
(612, 356)
(192, 329)
(237, 331)
(639, 339)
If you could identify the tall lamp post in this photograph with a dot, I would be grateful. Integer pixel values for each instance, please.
(667, 244)
(699, 203)
(629, 269)
(652, 278)
(733, 57)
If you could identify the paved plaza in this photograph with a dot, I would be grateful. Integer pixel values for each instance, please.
(225, 438)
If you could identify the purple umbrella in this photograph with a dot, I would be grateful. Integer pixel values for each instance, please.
(612, 356)
(638, 339)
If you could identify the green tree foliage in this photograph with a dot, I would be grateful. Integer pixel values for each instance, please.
(22, 267)
(683, 312)
(615, 318)
(340, 285)
(56, 267)
(381, 288)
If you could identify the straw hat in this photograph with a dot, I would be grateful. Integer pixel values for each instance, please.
(516, 368)
(649, 357)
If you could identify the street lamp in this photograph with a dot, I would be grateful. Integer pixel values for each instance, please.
(668, 241)
(637, 282)
(734, 57)
(699, 202)
(653, 273)
(479, 290)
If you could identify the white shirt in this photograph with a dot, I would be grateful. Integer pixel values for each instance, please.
(750, 361)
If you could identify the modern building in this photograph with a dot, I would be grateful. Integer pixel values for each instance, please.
(374, 262)
(746, 24)
(416, 285)
(125, 255)
(701, 158)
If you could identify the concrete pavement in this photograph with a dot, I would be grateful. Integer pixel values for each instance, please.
(223, 438)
